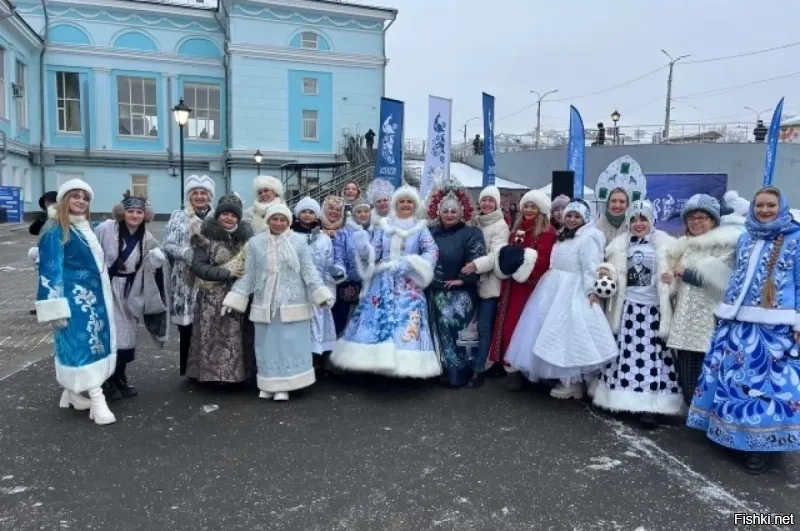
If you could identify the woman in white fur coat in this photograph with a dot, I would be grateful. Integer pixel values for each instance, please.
(268, 191)
(701, 263)
(495, 234)
(643, 378)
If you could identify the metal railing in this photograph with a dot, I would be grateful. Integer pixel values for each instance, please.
(361, 174)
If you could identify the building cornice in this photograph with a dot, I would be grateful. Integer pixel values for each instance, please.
(278, 53)
(24, 30)
(116, 53)
(138, 7)
(336, 8)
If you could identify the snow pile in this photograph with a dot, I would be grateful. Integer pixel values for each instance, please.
(468, 176)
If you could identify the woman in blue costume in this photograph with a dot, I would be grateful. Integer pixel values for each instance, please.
(75, 298)
(389, 333)
(748, 395)
(345, 265)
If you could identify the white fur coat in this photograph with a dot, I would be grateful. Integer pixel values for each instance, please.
(617, 264)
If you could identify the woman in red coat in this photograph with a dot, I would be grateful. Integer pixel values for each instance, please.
(531, 230)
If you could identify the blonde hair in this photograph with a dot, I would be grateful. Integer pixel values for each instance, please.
(63, 214)
(540, 224)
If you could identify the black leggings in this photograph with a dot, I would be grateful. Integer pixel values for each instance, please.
(185, 332)
(690, 365)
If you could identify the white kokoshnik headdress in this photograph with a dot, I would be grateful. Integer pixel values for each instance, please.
(581, 208)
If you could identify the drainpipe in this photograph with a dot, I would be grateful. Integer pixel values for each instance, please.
(170, 125)
(42, 106)
(226, 63)
(383, 53)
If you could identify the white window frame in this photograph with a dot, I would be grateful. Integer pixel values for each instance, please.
(21, 103)
(143, 180)
(310, 124)
(27, 183)
(62, 107)
(61, 178)
(149, 119)
(200, 117)
(310, 86)
(309, 40)
(3, 56)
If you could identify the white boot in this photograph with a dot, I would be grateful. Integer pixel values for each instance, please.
(76, 400)
(99, 411)
(281, 396)
(564, 392)
(265, 394)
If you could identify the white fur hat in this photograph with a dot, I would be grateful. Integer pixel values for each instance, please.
(406, 192)
(74, 184)
(268, 182)
(739, 204)
(281, 209)
(539, 199)
(491, 191)
(307, 204)
(203, 182)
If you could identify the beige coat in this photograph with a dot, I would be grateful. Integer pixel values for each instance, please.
(495, 234)
(711, 258)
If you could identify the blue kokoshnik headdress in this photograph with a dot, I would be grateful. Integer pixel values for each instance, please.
(131, 202)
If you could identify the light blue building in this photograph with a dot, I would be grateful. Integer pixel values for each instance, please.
(289, 79)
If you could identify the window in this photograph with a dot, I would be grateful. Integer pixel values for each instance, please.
(309, 40)
(68, 102)
(310, 86)
(61, 178)
(2, 83)
(22, 99)
(28, 185)
(138, 109)
(139, 185)
(309, 125)
(204, 120)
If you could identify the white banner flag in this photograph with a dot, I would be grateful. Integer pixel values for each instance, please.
(437, 154)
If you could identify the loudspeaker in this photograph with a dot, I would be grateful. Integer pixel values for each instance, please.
(563, 184)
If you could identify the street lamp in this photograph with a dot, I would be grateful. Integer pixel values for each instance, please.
(181, 114)
(466, 150)
(539, 114)
(615, 118)
(757, 113)
(258, 158)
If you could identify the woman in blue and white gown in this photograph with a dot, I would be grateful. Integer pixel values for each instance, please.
(389, 332)
(562, 333)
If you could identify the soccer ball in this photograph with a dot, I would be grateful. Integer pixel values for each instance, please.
(604, 287)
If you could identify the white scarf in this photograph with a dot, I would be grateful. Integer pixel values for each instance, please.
(280, 252)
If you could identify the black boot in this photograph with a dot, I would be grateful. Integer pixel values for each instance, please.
(121, 381)
(648, 421)
(514, 382)
(111, 390)
(756, 463)
(476, 381)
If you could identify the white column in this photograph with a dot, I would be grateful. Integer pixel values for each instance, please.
(103, 128)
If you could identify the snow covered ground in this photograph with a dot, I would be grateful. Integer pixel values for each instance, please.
(468, 176)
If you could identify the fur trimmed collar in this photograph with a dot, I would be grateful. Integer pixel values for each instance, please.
(722, 236)
(660, 240)
(353, 224)
(261, 208)
(385, 226)
(212, 231)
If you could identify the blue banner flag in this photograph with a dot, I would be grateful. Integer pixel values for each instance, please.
(489, 160)
(669, 192)
(576, 161)
(389, 164)
(772, 143)
(11, 200)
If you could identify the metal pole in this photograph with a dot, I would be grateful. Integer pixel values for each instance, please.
(669, 92)
(258, 169)
(182, 179)
(538, 122)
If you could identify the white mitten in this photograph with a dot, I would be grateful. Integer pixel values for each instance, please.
(59, 323)
(157, 258)
(33, 254)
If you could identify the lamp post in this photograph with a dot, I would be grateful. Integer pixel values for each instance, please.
(539, 114)
(258, 158)
(466, 149)
(757, 113)
(181, 114)
(615, 118)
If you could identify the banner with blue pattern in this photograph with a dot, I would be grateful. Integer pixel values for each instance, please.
(389, 164)
(669, 192)
(489, 158)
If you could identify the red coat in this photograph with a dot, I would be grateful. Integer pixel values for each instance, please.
(514, 295)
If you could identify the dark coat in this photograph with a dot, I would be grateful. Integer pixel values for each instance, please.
(458, 246)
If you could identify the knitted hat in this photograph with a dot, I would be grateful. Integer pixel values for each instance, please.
(581, 208)
(307, 204)
(279, 209)
(48, 197)
(704, 203)
(202, 182)
(406, 192)
(560, 202)
(491, 191)
(539, 199)
(74, 184)
(268, 182)
(229, 204)
(642, 208)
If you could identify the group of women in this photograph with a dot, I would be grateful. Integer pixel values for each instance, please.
(386, 283)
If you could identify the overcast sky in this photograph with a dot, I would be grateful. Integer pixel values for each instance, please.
(459, 48)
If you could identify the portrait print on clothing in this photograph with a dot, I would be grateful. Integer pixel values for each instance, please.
(640, 269)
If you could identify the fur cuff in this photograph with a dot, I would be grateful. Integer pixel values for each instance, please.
(611, 269)
(497, 271)
(529, 260)
(421, 271)
(338, 274)
(321, 295)
(796, 326)
(713, 273)
(157, 258)
(485, 264)
(236, 301)
(365, 267)
(52, 310)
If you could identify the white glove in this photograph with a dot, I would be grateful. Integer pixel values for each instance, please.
(58, 323)
(157, 258)
(33, 254)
